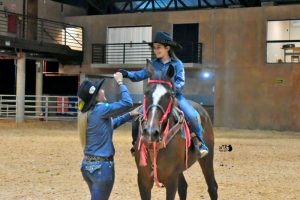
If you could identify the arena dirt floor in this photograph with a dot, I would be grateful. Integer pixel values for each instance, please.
(41, 160)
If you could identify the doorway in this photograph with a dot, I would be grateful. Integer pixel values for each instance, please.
(187, 36)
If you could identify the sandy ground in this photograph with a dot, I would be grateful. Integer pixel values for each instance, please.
(41, 160)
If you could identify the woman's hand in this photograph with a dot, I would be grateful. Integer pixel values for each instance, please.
(118, 77)
(135, 112)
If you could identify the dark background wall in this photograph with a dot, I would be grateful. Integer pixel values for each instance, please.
(53, 84)
(7, 77)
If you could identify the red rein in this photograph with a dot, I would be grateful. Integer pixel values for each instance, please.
(167, 112)
(141, 145)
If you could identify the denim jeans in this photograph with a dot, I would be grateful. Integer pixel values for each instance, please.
(191, 115)
(100, 177)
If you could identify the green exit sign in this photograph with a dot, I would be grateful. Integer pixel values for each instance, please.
(280, 81)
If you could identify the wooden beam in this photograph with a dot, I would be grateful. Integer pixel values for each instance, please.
(153, 5)
(147, 4)
(158, 4)
(199, 4)
(125, 5)
(138, 6)
(167, 7)
(182, 3)
(207, 3)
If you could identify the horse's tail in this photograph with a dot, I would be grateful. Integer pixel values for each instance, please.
(82, 127)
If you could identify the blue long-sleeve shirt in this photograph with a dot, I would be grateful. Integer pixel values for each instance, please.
(158, 65)
(101, 124)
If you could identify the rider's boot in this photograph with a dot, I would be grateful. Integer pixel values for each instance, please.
(199, 145)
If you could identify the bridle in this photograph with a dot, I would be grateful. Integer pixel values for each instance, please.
(165, 112)
(182, 123)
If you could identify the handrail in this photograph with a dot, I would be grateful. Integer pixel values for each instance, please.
(41, 30)
(43, 19)
(137, 53)
(73, 37)
(50, 35)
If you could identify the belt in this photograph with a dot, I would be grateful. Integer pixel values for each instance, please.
(98, 158)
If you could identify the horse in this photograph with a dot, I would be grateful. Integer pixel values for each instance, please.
(161, 153)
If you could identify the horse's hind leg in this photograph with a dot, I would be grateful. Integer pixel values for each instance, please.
(208, 171)
(182, 187)
(145, 186)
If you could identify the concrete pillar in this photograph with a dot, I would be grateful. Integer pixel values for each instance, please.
(82, 77)
(39, 86)
(32, 13)
(20, 92)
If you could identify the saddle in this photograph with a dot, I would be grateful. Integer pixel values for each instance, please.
(194, 139)
(196, 142)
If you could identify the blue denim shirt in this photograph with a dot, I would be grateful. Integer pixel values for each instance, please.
(101, 124)
(179, 77)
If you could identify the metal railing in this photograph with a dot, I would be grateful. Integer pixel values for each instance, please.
(47, 108)
(41, 30)
(137, 53)
(40, 107)
(121, 53)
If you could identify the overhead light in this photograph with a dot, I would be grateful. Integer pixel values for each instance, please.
(206, 74)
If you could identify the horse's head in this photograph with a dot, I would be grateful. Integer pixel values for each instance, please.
(158, 103)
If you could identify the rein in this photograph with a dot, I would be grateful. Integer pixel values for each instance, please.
(167, 132)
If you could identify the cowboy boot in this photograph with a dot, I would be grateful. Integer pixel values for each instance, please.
(200, 146)
(134, 132)
(132, 149)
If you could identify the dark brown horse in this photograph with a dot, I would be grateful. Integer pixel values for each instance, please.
(159, 163)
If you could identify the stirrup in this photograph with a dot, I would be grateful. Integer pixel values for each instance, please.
(197, 144)
(203, 153)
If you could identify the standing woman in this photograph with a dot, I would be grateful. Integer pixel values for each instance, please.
(96, 128)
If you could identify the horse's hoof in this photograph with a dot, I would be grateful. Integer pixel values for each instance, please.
(132, 151)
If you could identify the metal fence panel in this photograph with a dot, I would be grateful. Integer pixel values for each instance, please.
(41, 107)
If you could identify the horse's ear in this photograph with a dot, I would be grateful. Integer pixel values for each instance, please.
(170, 72)
(150, 69)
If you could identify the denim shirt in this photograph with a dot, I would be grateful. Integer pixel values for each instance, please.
(158, 65)
(101, 124)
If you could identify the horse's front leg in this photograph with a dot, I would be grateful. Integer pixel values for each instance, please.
(145, 183)
(171, 187)
(182, 187)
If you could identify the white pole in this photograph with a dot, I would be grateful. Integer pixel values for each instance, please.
(39, 87)
(20, 94)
